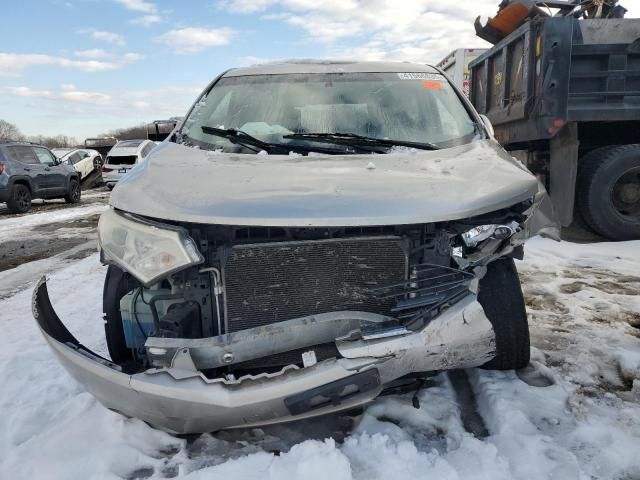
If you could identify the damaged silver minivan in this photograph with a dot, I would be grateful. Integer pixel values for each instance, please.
(310, 236)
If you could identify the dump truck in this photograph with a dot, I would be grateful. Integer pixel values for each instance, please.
(562, 92)
(101, 144)
(158, 130)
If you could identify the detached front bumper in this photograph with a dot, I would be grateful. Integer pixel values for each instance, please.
(179, 398)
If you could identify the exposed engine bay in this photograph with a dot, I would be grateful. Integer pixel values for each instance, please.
(258, 277)
(224, 326)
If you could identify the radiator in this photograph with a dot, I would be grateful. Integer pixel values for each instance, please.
(266, 283)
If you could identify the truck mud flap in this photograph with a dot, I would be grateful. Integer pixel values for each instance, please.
(333, 393)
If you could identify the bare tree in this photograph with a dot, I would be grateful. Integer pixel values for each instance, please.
(9, 132)
(59, 141)
(130, 133)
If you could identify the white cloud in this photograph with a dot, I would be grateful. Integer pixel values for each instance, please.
(13, 64)
(64, 4)
(27, 92)
(138, 5)
(66, 94)
(97, 53)
(146, 20)
(418, 30)
(94, 98)
(91, 53)
(139, 104)
(194, 39)
(85, 112)
(109, 37)
(131, 58)
(149, 8)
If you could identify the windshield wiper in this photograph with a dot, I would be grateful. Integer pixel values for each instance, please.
(242, 138)
(360, 140)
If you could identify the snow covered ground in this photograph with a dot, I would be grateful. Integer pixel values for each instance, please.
(36, 243)
(573, 414)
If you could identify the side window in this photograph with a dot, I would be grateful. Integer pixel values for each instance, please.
(45, 156)
(147, 149)
(76, 157)
(23, 154)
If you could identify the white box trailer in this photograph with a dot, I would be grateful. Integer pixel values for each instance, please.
(456, 66)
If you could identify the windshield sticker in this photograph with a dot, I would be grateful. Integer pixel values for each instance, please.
(432, 84)
(419, 76)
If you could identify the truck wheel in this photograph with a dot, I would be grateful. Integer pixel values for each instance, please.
(19, 200)
(116, 286)
(74, 193)
(501, 297)
(609, 191)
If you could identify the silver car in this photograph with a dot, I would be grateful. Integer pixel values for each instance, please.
(310, 236)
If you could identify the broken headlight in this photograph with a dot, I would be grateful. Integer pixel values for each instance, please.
(476, 235)
(147, 250)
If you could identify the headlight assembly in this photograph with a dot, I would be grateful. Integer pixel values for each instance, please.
(475, 235)
(145, 249)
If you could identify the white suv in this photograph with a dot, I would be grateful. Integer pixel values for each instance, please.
(122, 158)
(83, 160)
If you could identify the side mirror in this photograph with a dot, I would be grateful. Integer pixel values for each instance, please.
(487, 125)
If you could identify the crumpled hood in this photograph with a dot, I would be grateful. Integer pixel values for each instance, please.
(191, 185)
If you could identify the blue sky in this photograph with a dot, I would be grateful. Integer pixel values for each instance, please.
(81, 67)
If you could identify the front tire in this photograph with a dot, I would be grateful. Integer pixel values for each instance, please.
(19, 200)
(609, 191)
(500, 295)
(74, 194)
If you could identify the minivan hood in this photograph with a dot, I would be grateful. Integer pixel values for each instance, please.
(186, 184)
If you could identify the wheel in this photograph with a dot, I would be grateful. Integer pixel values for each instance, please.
(74, 193)
(19, 199)
(116, 286)
(608, 191)
(110, 186)
(501, 297)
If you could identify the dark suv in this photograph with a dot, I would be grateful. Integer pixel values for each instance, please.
(31, 171)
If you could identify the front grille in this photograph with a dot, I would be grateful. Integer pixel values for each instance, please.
(272, 282)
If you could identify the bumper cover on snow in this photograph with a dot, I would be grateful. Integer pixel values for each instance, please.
(181, 399)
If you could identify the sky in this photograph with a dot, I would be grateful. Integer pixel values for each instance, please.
(83, 67)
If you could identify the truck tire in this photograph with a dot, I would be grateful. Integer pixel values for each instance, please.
(74, 193)
(19, 200)
(116, 286)
(608, 191)
(501, 298)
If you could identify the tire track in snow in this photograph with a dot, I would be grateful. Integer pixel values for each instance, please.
(469, 414)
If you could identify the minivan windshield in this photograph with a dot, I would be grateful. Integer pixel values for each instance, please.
(296, 110)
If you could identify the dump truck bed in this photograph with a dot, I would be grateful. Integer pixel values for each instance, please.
(556, 70)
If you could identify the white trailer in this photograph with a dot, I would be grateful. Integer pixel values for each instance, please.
(456, 66)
